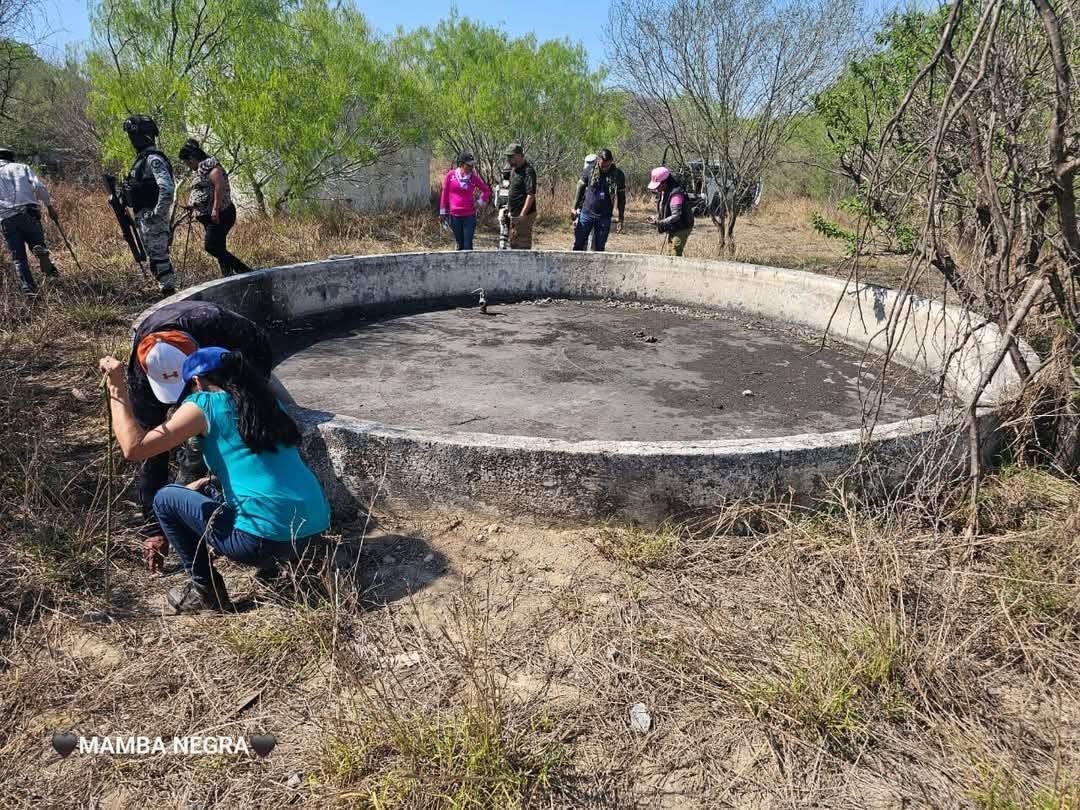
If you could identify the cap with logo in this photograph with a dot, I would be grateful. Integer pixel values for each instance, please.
(514, 149)
(161, 355)
(466, 158)
(203, 362)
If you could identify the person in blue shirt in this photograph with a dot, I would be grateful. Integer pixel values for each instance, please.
(274, 507)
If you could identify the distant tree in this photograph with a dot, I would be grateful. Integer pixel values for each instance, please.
(45, 113)
(17, 29)
(291, 95)
(328, 100)
(727, 81)
(484, 90)
(855, 110)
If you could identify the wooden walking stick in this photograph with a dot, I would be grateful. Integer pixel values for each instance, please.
(103, 615)
(67, 243)
(108, 494)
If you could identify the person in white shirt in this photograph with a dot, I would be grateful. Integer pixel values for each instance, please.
(21, 196)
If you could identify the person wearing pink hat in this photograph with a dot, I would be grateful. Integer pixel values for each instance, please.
(674, 215)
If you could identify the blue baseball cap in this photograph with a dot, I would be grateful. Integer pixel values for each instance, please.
(203, 361)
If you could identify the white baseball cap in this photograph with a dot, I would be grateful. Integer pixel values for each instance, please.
(162, 355)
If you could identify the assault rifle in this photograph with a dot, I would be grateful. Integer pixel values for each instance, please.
(127, 225)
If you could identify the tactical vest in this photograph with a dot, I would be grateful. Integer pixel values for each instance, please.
(663, 210)
(142, 187)
(609, 183)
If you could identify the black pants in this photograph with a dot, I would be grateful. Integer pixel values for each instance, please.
(214, 242)
(153, 474)
(24, 230)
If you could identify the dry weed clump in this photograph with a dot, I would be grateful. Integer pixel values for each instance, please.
(470, 756)
(1022, 497)
(643, 548)
(837, 648)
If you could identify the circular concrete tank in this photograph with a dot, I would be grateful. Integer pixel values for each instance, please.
(603, 385)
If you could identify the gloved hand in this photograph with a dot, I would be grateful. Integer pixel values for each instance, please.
(155, 550)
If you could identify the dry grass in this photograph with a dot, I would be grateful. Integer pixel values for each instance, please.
(847, 657)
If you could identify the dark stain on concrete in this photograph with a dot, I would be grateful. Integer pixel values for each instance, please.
(582, 370)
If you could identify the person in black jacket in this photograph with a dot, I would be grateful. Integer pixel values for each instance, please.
(160, 344)
(674, 215)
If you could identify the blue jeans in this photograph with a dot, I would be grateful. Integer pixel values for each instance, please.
(463, 228)
(588, 223)
(188, 518)
(21, 230)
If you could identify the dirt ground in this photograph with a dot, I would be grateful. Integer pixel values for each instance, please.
(760, 656)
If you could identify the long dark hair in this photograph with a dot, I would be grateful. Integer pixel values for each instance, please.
(263, 423)
(192, 151)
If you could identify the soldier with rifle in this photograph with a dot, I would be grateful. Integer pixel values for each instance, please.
(148, 191)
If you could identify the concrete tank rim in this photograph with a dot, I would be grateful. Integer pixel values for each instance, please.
(841, 285)
(733, 447)
(912, 427)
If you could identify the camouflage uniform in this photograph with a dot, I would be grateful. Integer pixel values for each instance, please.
(152, 169)
(154, 231)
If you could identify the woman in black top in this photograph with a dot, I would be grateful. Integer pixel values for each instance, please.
(211, 201)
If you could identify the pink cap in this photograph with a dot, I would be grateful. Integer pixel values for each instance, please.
(658, 176)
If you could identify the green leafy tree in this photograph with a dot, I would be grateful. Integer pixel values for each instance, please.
(959, 130)
(44, 111)
(484, 89)
(294, 96)
(857, 106)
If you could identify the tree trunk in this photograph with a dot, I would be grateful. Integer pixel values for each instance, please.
(260, 198)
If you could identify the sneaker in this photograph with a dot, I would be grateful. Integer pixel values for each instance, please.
(190, 598)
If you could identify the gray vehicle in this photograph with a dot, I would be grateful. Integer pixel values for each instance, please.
(707, 196)
(703, 185)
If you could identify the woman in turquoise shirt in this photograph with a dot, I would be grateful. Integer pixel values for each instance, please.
(274, 506)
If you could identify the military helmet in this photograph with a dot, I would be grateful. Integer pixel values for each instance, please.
(141, 125)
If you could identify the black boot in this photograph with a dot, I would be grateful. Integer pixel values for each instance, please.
(192, 598)
(41, 253)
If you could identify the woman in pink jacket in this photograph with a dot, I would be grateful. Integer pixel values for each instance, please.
(458, 201)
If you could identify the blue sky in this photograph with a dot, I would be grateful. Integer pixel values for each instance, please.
(69, 23)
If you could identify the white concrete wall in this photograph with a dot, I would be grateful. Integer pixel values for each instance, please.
(401, 180)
